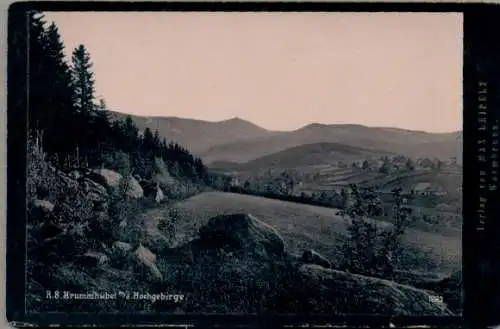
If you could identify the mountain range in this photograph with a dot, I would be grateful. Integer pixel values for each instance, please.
(240, 141)
(304, 156)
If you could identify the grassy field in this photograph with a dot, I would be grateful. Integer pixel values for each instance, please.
(448, 181)
(305, 226)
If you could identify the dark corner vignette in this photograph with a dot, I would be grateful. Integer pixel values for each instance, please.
(480, 148)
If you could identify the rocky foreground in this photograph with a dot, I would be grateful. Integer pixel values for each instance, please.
(235, 264)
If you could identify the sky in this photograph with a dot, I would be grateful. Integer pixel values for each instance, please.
(278, 70)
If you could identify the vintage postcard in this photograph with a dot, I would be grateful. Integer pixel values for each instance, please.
(251, 160)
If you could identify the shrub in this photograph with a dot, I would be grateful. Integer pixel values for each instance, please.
(72, 205)
(368, 249)
(124, 221)
(168, 224)
(117, 160)
(40, 176)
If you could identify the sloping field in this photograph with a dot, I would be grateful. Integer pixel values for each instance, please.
(341, 177)
(444, 181)
(305, 226)
(335, 171)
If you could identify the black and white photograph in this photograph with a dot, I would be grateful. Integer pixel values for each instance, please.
(244, 163)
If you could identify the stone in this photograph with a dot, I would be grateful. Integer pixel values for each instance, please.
(243, 233)
(43, 205)
(147, 260)
(313, 257)
(92, 258)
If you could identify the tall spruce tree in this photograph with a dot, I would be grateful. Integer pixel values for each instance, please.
(83, 79)
(36, 81)
(59, 113)
(83, 85)
(102, 132)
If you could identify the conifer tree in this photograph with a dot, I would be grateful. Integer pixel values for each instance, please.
(83, 79)
(36, 82)
(83, 84)
(59, 112)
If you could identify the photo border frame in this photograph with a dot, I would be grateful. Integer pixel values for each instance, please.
(481, 67)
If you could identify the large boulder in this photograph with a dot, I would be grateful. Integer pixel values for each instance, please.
(44, 206)
(111, 180)
(243, 233)
(313, 257)
(106, 177)
(134, 190)
(41, 210)
(327, 290)
(147, 260)
(93, 259)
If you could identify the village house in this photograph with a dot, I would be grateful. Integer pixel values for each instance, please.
(425, 188)
(422, 188)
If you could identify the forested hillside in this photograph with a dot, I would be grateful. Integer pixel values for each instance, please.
(89, 177)
(74, 128)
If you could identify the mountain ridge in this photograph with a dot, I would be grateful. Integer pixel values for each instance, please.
(308, 125)
(239, 140)
(305, 155)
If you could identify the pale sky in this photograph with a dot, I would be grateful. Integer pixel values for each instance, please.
(278, 70)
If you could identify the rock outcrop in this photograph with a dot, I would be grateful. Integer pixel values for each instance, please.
(242, 233)
(93, 259)
(313, 257)
(147, 260)
(41, 210)
(106, 177)
(344, 292)
(44, 206)
(111, 180)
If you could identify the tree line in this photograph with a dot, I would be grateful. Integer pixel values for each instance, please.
(73, 127)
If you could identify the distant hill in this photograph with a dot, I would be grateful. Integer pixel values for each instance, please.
(198, 135)
(238, 140)
(410, 143)
(303, 156)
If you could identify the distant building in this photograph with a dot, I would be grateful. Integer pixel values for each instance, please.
(425, 188)
(422, 189)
